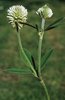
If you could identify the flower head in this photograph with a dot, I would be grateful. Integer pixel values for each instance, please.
(17, 14)
(45, 12)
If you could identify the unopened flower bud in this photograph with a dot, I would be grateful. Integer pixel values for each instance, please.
(45, 12)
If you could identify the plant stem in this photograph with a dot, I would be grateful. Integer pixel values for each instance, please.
(28, 63)
(39, 56)
(39, 69)
(35, 27)
(44, 86)
(40, 45)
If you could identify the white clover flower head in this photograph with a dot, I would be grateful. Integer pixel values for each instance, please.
(17, 14)
(45, 12)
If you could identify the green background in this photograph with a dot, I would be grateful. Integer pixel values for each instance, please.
(25, 86)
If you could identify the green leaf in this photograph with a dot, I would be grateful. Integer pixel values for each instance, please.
(56, 21)
(16, 70)
(33, 62)
(54, 24)
(28, 54)
(51, 27)
(45, 57)
(30, 57)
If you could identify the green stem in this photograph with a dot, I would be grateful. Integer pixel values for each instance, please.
(28, 63)
(30, 25)
(44, 86)
(39, 56)
(40, 45)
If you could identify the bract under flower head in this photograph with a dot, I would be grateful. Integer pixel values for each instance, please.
(17, 14)
(45, 12)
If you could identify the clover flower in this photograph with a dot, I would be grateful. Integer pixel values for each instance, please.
(45, 12)
(17, 14)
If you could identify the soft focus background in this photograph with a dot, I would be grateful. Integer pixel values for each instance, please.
(23, 86)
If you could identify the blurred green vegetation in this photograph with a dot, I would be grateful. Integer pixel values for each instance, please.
(25, 87)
